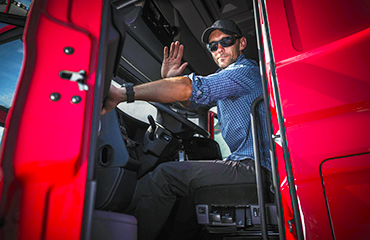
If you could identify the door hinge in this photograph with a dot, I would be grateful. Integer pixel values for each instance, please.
(277, 138)
(291, 226)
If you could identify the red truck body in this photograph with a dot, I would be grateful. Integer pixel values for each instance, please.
(319, 86)
(314, 62)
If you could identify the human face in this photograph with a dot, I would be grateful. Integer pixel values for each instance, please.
(224, 56)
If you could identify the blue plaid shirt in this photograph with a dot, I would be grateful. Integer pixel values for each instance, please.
(234, 89)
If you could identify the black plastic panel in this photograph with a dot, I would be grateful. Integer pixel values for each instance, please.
(115, 183)
(113, 226)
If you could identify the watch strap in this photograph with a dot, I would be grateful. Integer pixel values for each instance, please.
(129, 92)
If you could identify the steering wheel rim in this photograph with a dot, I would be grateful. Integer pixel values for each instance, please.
(181, 119)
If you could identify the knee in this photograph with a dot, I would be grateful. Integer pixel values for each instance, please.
(170, 172)
(164, 169)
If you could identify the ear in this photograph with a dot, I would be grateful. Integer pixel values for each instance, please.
(242, 43)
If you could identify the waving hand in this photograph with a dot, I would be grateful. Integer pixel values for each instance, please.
(171, 65)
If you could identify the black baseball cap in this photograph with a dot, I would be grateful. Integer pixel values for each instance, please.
(226, 26)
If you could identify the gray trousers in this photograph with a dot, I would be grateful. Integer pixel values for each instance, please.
(179, 179)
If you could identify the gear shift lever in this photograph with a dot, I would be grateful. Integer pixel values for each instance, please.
(153, 127)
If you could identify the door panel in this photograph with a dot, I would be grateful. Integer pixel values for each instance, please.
(319, 65)
(45, 156)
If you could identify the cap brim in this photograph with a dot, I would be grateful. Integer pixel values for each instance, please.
(208, 31)
(206, 34)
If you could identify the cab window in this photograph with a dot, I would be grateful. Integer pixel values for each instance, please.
(12, 18)
(9, 73)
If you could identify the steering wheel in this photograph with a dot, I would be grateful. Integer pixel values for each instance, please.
(181, 119)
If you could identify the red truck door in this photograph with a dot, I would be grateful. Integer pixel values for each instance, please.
(316, 65)
(53, 121)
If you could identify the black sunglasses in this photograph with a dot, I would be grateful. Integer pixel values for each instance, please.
(225, 42)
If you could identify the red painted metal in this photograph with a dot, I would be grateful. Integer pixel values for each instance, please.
(7, 8)
(6, 28)
(321, 51)
(3, 114)
(211, 128)
(46, 152)
(347, 182)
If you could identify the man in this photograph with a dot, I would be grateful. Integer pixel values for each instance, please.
(233, 87)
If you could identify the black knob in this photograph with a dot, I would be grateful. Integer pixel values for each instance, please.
(153, 127)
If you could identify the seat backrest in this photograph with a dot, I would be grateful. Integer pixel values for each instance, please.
(235, 208)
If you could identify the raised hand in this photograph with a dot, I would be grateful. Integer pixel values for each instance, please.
(171, 65)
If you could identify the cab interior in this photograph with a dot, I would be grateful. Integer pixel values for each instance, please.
(136, 137)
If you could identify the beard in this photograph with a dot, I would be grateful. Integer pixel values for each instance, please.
(223, 60)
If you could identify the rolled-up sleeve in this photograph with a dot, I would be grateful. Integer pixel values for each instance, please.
(234, 81)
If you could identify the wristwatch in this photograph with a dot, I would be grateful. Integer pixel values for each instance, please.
(129, 92)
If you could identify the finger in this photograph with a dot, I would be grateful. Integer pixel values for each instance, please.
(181, 51)
(183, 66)
(176, 49)
(171, 50)
(165, 52)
